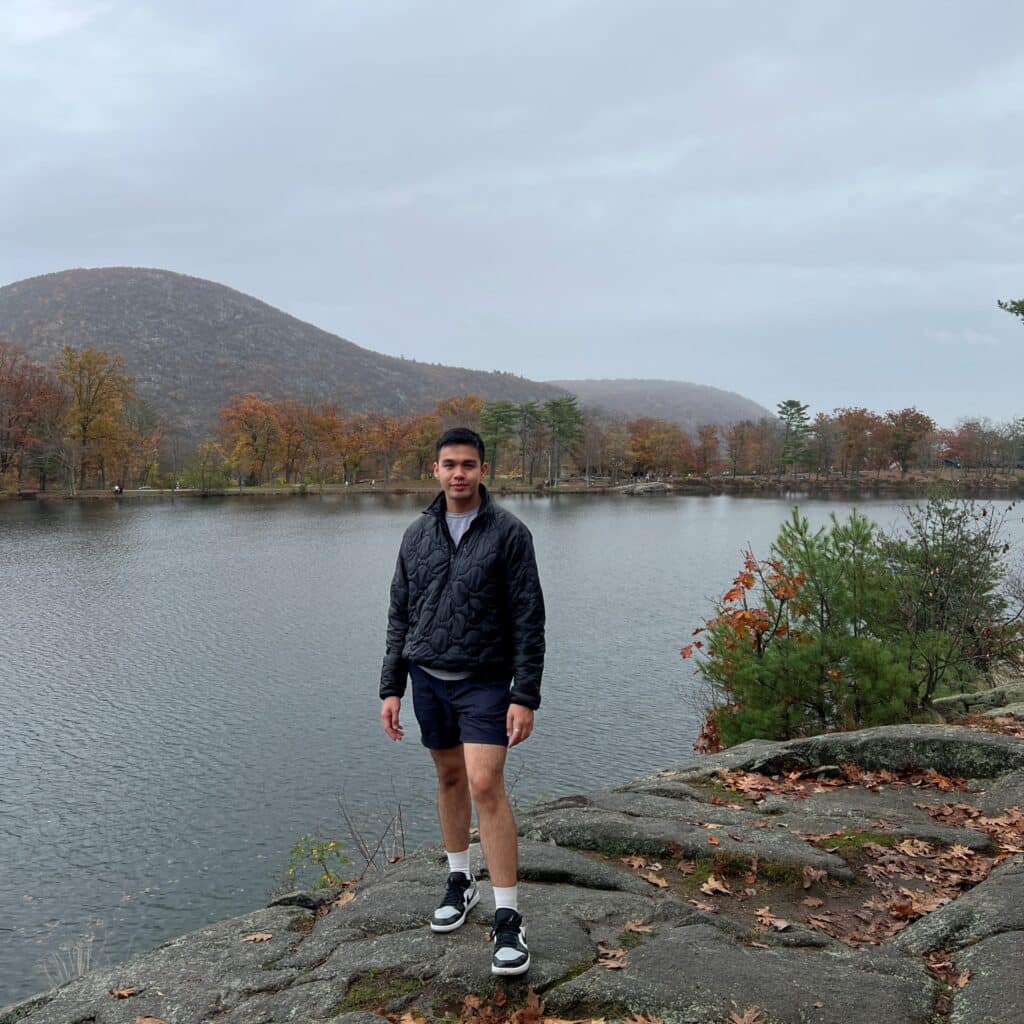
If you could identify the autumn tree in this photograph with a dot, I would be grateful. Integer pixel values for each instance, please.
(386, 437)
(421, 442)
(592, 445)
(251, 432)
(617, 451)
(909, 427)
(659, 446)
(26, 390)
(100, 388)
(705, 452)
(208, 469)
(460, 411)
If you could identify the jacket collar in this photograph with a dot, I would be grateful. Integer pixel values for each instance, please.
(438, 507)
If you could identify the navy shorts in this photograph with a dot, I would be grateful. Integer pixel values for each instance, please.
(469, 710)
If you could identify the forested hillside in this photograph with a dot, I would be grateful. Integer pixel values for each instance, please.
(687, 404)
(189, 344)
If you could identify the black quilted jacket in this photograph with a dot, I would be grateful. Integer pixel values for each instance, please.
(478, 606)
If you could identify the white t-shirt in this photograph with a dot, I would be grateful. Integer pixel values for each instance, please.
(458, 524)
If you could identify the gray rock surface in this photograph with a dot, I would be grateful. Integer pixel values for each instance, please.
(686, 964)
(995, 992)
(964, 703)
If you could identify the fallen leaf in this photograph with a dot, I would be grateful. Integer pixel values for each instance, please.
(714, 841)
(961, 979)
(149, 1020)
(685, 867)
(636, 863)
(812, 901)
(610, 959)
(654, 879)
(715, 886)
(812, 875)
(708, 908)
(345, 897)
(915, 848)
(257, 937)
(638, 927)
(766, 918)
(121, 993)
(752, 1015)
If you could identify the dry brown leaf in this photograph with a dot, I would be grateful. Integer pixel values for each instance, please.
(149, 1020)
(752, 1015)
(766, 918)
(635, 862)
(708, 908)
(345, 897)
(654, 879)
(121, 993)
(715, 886)
(961, 979)
(257, 937)
(610, 959)
(812, 875)
(915, 848)
(714, 841)
(638, 927)
(812, 901)
(685, 867)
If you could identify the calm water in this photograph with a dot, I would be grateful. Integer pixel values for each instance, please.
(187, 686)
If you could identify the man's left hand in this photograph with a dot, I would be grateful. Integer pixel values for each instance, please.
(518, 723)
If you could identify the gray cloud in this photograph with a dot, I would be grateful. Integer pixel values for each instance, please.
(808, 200)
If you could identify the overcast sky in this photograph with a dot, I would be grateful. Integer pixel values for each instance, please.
(801, 199)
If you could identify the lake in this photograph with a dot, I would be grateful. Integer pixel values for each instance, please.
(189, 685)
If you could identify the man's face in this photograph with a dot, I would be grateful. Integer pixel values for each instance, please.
(458, 469)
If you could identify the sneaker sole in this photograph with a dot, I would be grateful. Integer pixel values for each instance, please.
(459, 921)
(506, 971)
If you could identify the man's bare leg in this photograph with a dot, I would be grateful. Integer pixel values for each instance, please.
(453, 806)
(485, 770)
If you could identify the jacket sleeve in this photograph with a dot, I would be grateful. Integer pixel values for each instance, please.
(395, 670)
(526, 614)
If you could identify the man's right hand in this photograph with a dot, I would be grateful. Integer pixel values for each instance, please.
(389, 718)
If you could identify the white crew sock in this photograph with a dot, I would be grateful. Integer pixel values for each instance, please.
(459, 862)
(506, 898)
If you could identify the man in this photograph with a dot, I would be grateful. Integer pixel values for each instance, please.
(466, 623)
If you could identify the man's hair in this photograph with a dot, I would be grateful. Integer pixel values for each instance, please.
(460, 435)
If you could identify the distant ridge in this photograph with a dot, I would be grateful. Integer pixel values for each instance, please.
(690, 405)
(190, 343)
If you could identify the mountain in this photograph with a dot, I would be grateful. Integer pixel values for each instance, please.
(190, 343)
(691, 405)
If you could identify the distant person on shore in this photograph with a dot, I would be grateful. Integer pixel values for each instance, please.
(466, 623)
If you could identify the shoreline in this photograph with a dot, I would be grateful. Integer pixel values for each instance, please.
(915, 486)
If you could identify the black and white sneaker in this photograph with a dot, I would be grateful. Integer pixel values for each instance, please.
(509, 937)
(461, 897)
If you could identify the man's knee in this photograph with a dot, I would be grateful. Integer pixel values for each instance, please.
(487, 786)
(451, 771)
